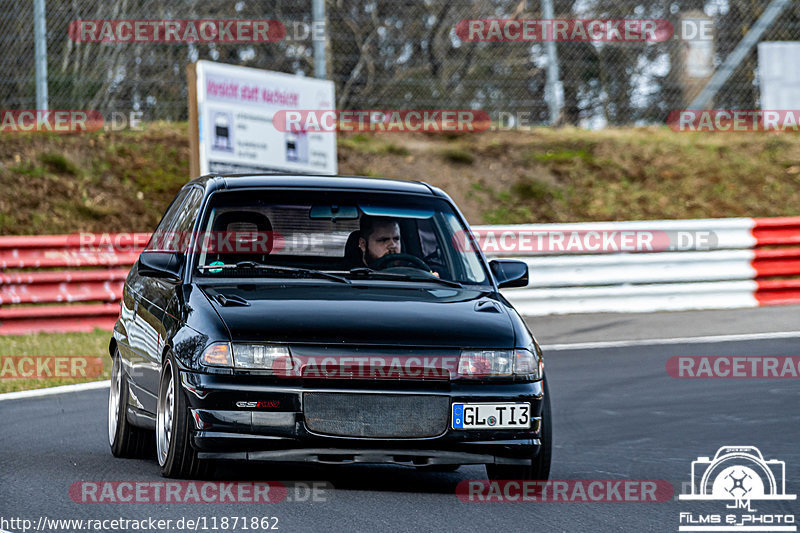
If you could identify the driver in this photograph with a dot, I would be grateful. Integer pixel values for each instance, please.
(379, 236)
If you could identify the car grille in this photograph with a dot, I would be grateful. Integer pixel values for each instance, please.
(376, 415)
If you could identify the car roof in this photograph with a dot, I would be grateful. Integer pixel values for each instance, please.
(315, 181)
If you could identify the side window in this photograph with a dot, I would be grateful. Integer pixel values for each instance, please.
(470, 263)
(184, 221)
(156, 240)
(431, 252)
(173, 230)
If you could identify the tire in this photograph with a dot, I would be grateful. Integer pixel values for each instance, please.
(124, 439)
(540, 464)
(176, 457)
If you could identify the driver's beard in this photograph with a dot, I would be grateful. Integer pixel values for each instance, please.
(369, 257)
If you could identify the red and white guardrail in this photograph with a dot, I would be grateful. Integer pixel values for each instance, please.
(690, 264)
(58, 283)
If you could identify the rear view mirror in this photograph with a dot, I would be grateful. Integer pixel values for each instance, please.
(333, 212)
(509, 273)
(161, 265)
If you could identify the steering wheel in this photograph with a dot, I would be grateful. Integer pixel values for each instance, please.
(406, 259)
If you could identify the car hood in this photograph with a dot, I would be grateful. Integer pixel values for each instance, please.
(373, 315)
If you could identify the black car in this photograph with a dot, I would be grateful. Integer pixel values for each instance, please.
(329, 319)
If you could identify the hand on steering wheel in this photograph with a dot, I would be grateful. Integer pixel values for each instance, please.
(403, 259)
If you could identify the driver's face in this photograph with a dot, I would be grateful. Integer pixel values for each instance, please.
(385, 239)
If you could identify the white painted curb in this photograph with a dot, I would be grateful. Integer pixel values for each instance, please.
(34, 393)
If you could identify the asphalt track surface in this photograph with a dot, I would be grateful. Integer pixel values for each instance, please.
(617, 415)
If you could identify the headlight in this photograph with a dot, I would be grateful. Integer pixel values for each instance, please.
(499, 363)
(270, 357)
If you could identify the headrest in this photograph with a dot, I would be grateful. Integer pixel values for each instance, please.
(353, 256)
(243, 224)
(242, 221)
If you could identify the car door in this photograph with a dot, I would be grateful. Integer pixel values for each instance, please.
(139, 324)
(156, 294)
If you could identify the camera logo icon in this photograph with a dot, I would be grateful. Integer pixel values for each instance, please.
(738, 473)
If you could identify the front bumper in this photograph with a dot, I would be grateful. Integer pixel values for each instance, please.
(251, 418)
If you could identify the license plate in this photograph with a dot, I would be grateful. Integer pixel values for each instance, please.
(491, 416)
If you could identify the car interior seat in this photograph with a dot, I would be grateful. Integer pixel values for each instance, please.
(238, 236)
(353, 256)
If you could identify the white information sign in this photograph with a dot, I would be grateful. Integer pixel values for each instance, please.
(234, 110)
(779, 75)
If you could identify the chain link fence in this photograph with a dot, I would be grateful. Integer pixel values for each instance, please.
(400, 54)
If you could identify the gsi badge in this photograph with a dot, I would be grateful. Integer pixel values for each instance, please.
(274, 403)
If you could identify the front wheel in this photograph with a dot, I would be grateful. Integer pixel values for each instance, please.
(540, 465)
(176, 456)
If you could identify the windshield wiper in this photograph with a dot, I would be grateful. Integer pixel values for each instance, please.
(369, 272)
(276, 268)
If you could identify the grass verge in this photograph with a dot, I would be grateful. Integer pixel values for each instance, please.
(123, 181)
(93, 344)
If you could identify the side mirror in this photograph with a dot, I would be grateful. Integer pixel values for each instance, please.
(509, 273)
(161, 265)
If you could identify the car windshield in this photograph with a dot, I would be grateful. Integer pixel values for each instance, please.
(335, 236)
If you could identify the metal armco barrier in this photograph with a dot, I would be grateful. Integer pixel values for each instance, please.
(56, 283)
(694, 264)
(59, 283)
